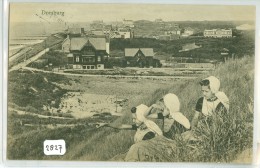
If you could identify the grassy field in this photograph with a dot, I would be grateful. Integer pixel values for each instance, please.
(23, 137)
(221, 142)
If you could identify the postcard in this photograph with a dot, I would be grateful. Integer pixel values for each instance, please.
(131, 82)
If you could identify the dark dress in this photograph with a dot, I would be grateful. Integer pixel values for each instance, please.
(219, 111)
(176, 128)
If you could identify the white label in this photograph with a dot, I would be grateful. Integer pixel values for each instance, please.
(54, 147)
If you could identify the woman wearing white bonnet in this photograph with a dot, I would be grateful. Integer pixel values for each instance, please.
(145, 128)
(171, 114)
(213, 100)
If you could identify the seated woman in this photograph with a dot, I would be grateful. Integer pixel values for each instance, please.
(145, 129)
(150, 144)
(212, 102)
(170, 105)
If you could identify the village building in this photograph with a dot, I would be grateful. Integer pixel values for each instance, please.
(97, 24)
(174, 30)
(128, 23)
(139, 57)
(218, 33)
(86, 52)
(75, 31)
(123, 33)
(107, 29)
(189, 46)
(187, 32)
(97, 32)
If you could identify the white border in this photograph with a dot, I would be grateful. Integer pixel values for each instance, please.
(4, 77)
(1, 78)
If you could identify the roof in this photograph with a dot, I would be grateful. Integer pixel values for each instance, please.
(78, 43)
(131, 52)
(218, 30)
(98, 43)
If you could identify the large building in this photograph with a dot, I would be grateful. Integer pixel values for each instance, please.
(86, 52)
(218, 33)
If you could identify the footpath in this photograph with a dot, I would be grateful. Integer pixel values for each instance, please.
(25, 63)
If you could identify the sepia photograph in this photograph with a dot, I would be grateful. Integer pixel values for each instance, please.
(131, 82)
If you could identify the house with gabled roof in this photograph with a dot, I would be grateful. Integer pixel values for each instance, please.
(139, 57)
(86, 52)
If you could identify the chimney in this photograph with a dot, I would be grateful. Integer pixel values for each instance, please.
(107, 45)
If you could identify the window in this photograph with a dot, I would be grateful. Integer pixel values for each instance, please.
(99, 58)
(77, 58)
(88, 60)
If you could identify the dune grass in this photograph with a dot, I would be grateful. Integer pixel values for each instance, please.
(220, 142)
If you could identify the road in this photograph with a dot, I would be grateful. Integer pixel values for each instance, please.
(34, 58)
(20, 112)
(113, 76)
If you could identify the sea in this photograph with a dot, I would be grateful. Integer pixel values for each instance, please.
(25, 34)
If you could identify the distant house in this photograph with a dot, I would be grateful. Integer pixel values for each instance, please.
(174, 30)
(139, 57)
(86, 52)
(224, 51)
(218, 33)
(97, 24)
(75, 31)
(122, 33)
(175, 25)
(107, 29)
(128, 23)
(187, 32)
(190, 46)
(98, 32)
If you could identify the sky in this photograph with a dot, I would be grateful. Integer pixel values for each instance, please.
(35, 12)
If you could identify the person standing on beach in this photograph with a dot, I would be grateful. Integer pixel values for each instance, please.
(212, 102)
